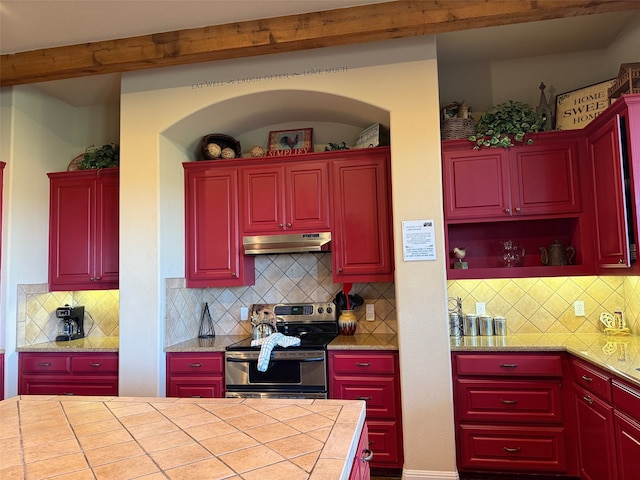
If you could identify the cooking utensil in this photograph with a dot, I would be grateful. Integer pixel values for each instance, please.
(355, 300)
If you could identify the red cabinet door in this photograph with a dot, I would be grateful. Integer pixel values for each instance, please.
(83, 230)
(545, 178)
(212, 239)
(628, 443)
(595, 435)
(605, 151)
(476, 183)
(362, 230)
(192, 374)
(290, 197)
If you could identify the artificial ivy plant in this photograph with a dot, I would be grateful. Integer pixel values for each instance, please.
(106, 156)
(505, 123)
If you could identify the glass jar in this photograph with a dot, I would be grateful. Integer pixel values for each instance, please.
(347, 322)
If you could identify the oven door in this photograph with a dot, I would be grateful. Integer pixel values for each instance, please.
(288, 372)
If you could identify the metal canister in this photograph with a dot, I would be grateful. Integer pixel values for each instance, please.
(470, 325)
(455, 325)
(485, 323)
(500, 326)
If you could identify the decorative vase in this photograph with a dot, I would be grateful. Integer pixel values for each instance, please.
(347, 322)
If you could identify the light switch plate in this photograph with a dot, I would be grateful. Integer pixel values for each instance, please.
(370, 312)
(578, 308)
(481, 308)
(244, 313)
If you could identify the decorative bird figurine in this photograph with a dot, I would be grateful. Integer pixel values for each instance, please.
(459, 253)
(286, 141)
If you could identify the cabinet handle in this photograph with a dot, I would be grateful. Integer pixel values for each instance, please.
(517, 209)
(368, 455)
(509, 402)
(233, 274)
(69, 394)
(289, 225)
(280, 225)
(587, 379)
(509, 365)
(44, 364)
(195, 365)
(196, 396)
(507, 210)
(95, 364)
(588, 399)
(363, 364)
(621, 260)
(511, 450)
(364, 398)
(340, 269)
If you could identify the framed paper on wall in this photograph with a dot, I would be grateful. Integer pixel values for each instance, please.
(290, 142)
(577, 108)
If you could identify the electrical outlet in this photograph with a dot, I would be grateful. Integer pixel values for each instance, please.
(370, 312)
(244, 313)
(481, 308)
(578, 308)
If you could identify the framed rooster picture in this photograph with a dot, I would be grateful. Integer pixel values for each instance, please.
(290, 142)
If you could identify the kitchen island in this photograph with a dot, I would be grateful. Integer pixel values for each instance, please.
(115, 438)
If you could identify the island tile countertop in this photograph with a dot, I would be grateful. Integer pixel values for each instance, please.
(112, 438)
(618, 354)
(87, 344)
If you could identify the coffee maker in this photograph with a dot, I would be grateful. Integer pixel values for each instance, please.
(72, 323)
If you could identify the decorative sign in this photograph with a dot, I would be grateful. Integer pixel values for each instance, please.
(577, 108)
(290, 142)
(418, 240)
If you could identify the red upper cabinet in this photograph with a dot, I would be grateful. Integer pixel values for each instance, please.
(362, 238)
(498, 183)
(83, 230)
(614, 149)
(285, 198)
(212, 238)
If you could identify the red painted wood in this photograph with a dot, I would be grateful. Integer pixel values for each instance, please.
(212, 238)
(83, 230)
(509, 364)
(362, 242)
(627, 433)
(195, 374)
(372, 377)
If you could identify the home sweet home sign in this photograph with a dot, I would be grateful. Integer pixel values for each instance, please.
(577, 108)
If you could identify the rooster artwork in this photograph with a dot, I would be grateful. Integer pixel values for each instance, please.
(288, 142)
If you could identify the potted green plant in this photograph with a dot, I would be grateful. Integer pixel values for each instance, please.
(106, 156)
(506, 123)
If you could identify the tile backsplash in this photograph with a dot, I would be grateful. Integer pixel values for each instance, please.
(304, 277)
(37, 320)
(534, 305)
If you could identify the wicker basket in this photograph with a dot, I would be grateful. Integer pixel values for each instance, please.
(454, 128)
(224, 141)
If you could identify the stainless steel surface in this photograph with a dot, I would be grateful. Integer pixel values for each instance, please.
(500, 326)
(470, 325)
(485, 324)
(276, 395)
(286, 243)
(455, 325)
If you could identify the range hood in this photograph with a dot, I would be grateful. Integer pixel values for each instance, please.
(287, 243)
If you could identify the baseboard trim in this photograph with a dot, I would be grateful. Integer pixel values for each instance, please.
(428, 475)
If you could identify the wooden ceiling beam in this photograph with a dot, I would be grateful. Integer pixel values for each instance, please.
(381, 21)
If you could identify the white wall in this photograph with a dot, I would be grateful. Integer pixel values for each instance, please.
(377, 75)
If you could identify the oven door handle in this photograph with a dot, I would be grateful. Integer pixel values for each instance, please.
(304, 359)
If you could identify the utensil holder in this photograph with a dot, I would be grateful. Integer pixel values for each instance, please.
(347, 322)
(206, 324)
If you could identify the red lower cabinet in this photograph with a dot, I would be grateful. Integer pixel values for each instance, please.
(509, 413)
(375, 378)
(1, 376)
(195, 375)
(83, 373)
(626, 421)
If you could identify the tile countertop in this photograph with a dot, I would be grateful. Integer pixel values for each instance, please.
(111, 438)
(87, 344)
(617, 354)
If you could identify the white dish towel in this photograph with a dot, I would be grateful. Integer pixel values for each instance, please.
(267, 344)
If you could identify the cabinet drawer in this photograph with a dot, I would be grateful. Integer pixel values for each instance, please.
(491, 447)
(94, 364)
(196, 364)
(362, 364)
(592, 379)
(627, 399)
(45, 363)
(379, 393)
(45, 385)
(509, 400)
(509, 365)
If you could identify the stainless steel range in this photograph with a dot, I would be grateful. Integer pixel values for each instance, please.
(293, 372)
